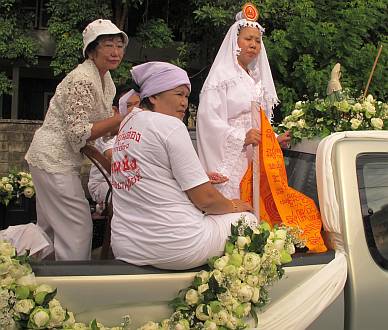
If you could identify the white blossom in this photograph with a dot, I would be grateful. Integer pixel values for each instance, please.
(377, 123)
(192, 297)
(355, 123)
(24, 306)
(245, 293)
(203, 312)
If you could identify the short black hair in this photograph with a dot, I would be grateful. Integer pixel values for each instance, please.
(93, 45)
(120, 91)
(147, 104)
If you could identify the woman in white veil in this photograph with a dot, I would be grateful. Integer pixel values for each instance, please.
(239, 75)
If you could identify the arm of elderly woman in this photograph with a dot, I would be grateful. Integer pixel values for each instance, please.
(208, 199)
(78, 105)
(105, 127)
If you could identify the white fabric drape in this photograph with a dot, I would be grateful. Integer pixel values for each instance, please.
(28, 237)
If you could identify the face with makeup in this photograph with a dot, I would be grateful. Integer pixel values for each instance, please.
(249, 40)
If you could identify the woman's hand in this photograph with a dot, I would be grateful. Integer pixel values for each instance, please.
(284, 139)
(240, 206)
(216, 178)
(253, 137)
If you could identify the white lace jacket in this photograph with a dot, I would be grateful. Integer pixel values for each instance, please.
(79, 101)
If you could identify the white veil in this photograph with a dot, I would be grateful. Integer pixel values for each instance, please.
(226, 70)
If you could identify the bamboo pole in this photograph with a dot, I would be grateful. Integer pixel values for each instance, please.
(373, 70)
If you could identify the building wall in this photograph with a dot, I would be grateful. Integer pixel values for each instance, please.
(15, 139)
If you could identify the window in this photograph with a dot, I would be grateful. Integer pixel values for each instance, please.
(35, 12)
(372, 176)
(301, 174)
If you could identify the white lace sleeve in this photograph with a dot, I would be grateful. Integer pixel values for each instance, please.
(79, 104)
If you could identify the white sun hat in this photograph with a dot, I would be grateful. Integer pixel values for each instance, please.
(100, 27)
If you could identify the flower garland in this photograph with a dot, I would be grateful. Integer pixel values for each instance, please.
(338, 112)
(220, 298)
(14, 185)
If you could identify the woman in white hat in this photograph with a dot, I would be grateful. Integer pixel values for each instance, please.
(239, 75)
(160, 189)
(80, 111)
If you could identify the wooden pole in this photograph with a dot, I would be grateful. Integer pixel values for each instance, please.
(255, 112)
(373, 70)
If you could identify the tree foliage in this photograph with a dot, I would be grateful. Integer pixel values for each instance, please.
(303, 38)
(15, 43)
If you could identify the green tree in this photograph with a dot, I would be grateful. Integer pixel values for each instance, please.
(16, 45)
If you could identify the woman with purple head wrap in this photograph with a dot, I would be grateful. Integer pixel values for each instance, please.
(160, 190)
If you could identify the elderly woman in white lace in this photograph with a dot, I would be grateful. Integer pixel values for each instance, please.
(239, 75)
(80, 111)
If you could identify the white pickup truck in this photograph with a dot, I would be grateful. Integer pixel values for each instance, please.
(345, 288)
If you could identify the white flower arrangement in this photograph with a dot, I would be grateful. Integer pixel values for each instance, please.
(338, 112)
(236, 283)
(26, 305)
(16, 184)
(218, 298)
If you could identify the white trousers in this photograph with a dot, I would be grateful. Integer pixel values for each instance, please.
(63, 213)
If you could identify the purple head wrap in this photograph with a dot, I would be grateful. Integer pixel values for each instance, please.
(157, 77)
(123, 102)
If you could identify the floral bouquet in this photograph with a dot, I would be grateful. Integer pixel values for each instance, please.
(338, 112)
(224, 296)
(24, 304)
(14, 185)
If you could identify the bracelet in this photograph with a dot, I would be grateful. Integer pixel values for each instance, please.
(234, 206)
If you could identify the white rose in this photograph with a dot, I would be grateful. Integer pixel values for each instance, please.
(298, 105)
(220, 263)
(70, 319)
(241, 273)
(182, 325)
(232, 322)
(40, 317)
(377, 123)
(280, 234)
(29, 192)
(24, 306)
(28, 280)
(251, 262)
(4, 179)
(203, 312)
(279, 244)
(221, 317)
(165, 324)
(8, 187)
(57, 316)
(6, 249)
(210, 325)
(149, 326)
(204, 275)
(252, 280)
(217, 275)
(355, 123)
(24, 181)
(357, 107)
(290, 248)
(291, 124)
(80, 326)
(242, 241)
(369, 98)
(202, 288)
(255, 295)
(245, 293)
(297, 113)
(370, 109)
(192, 297)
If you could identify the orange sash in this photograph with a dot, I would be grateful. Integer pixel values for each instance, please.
(280, 203)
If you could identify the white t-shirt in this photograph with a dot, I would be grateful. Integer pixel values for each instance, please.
(153, 164)
(97, 185)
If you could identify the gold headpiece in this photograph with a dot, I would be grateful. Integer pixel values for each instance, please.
(250, 12)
